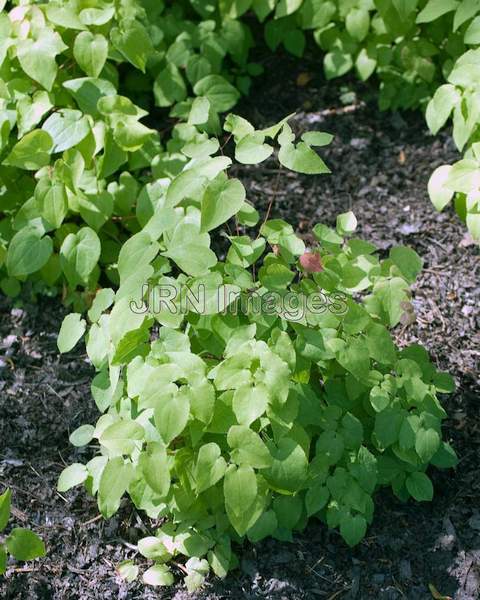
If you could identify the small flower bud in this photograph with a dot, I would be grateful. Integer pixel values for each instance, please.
(311, 262)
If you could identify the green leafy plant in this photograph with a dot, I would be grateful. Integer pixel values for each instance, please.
(247, 384)
(76, 154)
(20, 543)
(243, 395)
(73, 146)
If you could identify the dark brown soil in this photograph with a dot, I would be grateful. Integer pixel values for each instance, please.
(380, 166)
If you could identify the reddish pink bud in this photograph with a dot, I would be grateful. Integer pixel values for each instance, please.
(311, 262)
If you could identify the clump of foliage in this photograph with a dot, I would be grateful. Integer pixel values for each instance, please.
(278, 398)
(20, 543)
(74, 149)
(243, 419)
(73, 146)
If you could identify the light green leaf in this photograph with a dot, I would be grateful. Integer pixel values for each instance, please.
(71, 476)
(32, 152)
(87, 91)
(52, 202)
(248, 448)
(407, 261)
(220, 93)
(200, 149)
(67, 128)
(440, 195)
(133, 41)
(275, 275)
(317, 138)
(114, 481)
(64, 16)
(286, 7)
(249, 403)
(171, 416)
(31, 109)
(102, 391)
(466, 10)
(223, 198)
(346, 223)
(464, 176)
(72, 329)
(95, 209)
(380, 344)
(158, 575)
(440, 107)
(337, 63)
(152, 547)
(169, 87)
(90, 51)
(358, 23)
(435, 9)
(238, 126)
(102, 301)
(131, 135)
(210, 466)
(197, 68)
(5, 502)
(202, 402)
(82, 435)
(427, 442)
(365, 64)
(387, 300)
(194, 259)
(220, 558)
(37, 56)
(97, 16)
(28, 252)
(473, 225)
(128, 570)
(354, 358)
(154, 466)
(122, 436)
(472, 34)
(240, 489)
(301, 158)
(199, 111)
(23, 544)
(5, 33)
(79, 254)
(289, 469)
(251, 149)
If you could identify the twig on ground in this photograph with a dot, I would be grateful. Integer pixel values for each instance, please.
(90, 521)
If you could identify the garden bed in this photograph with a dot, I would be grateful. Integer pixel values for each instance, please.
(380, 165)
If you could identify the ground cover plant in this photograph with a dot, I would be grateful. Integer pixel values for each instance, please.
(245, 423)
(20, 543)
(67, 116)
(247, 417)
